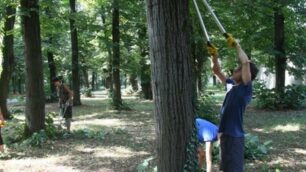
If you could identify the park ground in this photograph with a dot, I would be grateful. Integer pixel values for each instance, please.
(130, 139)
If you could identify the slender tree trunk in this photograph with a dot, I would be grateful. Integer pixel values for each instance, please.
(117, 101)
(52, 73)
(133, 81)
(280, 57)
(14, 84)
(145, 72)
(145, 79)
(214, 80)
(85, 72)
(147, 90)
(8, 59)
(200, 69)
(20, 88)
(86, 79)
(75, 56)
(35, 98)
(109, 79)
(51, 62)
(93, 80)
(200, 83)
(173, 84)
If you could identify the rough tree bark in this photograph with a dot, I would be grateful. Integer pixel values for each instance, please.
(172, 82)
(280, 57)
(8, 62)
(117, 101)
(35, 97)
(75, 56)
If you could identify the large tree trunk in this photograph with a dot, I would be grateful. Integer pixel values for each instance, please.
(280, 57)
(117, 101)
(52, 73)
(173, 84)
(8, 59)
(35, 98)
(75, 56)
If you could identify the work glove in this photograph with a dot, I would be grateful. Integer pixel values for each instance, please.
(2, 124)
(230, 40)
(212, 50)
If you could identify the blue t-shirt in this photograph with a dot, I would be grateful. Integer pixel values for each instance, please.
(206, 131)
(235, 102)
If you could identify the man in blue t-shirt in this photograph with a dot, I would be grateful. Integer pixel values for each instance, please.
(207, 133)
(238, 96)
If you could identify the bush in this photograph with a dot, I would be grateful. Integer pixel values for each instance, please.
(51, 129)
(207, 108)
(87, 92)
(254, 149)
(89, 134)
(293, 97)
(147, 165)
(36, 140)
(14, 132)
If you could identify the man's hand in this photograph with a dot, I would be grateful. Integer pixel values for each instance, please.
(212, 50)
(2, 123)
(231, 40)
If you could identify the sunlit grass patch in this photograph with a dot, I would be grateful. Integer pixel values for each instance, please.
(287, 127)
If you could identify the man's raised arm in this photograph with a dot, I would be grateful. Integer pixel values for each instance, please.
(217, 69)
(245, 64)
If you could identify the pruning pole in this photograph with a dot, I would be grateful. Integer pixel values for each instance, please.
(215, 17)
(201, 21)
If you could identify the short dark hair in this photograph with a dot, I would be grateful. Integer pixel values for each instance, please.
(254, 71)
(57, 78)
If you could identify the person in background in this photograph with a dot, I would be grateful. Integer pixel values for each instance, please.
(2, 123)
(207, 133)
(65, 101)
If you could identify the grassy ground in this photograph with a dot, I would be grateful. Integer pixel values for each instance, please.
(130, 138)
(287, 130)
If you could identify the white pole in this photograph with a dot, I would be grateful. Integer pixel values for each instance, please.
(201, 21)
(214, 16)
